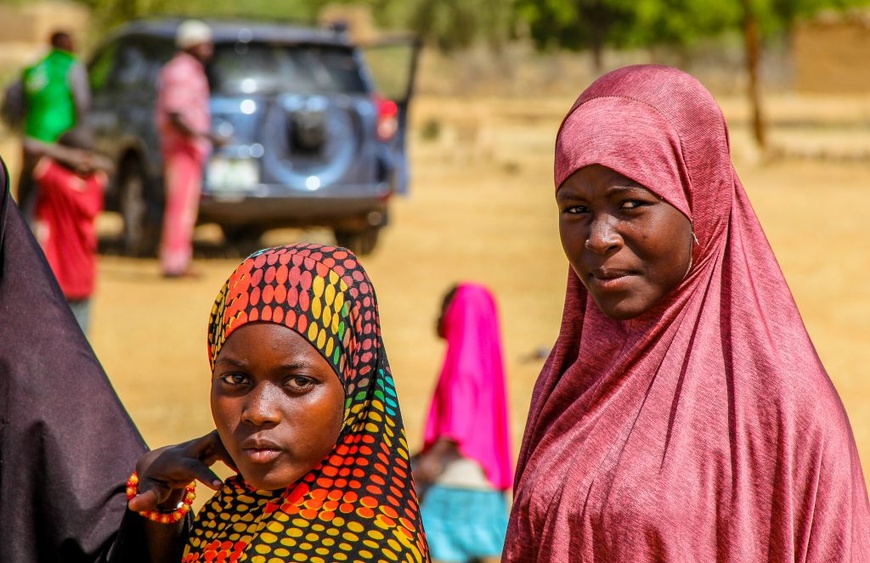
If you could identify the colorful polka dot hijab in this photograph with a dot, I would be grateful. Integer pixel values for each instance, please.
(359, 504)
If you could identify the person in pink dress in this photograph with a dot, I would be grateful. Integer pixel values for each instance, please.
(184, 124)
(465, 466)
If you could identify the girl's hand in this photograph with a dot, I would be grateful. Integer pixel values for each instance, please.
(432, 462)
(427, 469)
(165, 472)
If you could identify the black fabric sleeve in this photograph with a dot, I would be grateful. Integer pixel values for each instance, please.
(130, 545)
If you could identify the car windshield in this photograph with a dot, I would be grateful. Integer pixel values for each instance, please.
(249, 67)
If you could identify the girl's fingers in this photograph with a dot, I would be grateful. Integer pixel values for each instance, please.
(219, 453)
(202, 473)
(210, 449)
(171, 468)
(146, 500)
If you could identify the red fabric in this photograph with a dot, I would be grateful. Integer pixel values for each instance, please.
(66, 213)
(469, 405)
(707, 428)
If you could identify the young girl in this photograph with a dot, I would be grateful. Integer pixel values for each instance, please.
(466, 461)
(71, 179)
(306, 411)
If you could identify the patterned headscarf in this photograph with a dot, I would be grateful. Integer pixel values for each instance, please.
(359, 504)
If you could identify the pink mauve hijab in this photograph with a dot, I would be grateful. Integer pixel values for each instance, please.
(469, 405)
(705, 429)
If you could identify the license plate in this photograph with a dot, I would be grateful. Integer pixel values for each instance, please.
(232, 175)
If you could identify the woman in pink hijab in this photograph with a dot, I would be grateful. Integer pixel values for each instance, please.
(683, 414)
(466, 464)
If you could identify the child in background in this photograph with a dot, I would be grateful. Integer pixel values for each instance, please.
(465, 466)
(71, 180)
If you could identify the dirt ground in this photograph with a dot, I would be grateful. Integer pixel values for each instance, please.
(481, 208)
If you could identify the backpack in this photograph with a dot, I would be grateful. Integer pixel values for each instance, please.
(13, 108)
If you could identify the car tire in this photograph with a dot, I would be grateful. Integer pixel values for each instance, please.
(360, 243)
(141, 219)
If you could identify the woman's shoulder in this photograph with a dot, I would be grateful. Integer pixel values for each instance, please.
(807, 407)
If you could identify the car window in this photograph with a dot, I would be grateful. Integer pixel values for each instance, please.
(138, 63)
(392, 65)
(249, 67)
(129, 63)
(100, 67)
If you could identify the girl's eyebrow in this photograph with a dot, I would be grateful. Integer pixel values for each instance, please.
(620, 188)
(563, 195)
(239, 363)
(231, 361)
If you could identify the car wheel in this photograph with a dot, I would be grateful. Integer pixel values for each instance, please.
(360, 243)
(141, 230)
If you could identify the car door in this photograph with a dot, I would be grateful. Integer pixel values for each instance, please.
(101, 117)
(123, 81)
(392, 64)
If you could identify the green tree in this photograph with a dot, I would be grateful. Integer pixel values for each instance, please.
(114, 12)
(578, 24)
(584, 24)
(596, 24)
(446, 24)
(681, 23)
(762, 19)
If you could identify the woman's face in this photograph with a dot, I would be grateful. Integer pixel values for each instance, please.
(203, 51)
(277, 404)
(627, 246)
(445, 304)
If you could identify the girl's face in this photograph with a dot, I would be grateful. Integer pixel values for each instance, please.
(627, 246)
(445, 304)
(277, 404)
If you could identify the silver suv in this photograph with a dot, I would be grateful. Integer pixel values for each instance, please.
(317, 127)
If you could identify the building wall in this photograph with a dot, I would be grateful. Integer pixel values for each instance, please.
(831, 55)
(25, 29)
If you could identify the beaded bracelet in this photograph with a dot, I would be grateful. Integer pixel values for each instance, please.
(156, 515)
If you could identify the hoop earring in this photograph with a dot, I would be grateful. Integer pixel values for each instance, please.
(691, 253)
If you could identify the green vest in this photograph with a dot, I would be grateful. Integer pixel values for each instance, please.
(50, 106)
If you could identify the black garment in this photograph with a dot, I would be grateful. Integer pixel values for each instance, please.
(26, 194)
(67, 445)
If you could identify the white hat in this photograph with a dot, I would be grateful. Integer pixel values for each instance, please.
(191, 33)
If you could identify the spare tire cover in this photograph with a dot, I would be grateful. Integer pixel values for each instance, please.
(340, 144)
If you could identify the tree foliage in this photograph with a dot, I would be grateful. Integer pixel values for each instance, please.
(448, 24)
(585, 24)
(576, 24)
(114, 12)
(452, 24)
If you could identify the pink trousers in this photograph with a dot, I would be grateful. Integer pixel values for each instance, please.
(183, 176)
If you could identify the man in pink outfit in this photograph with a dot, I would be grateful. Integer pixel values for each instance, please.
(184, 123)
